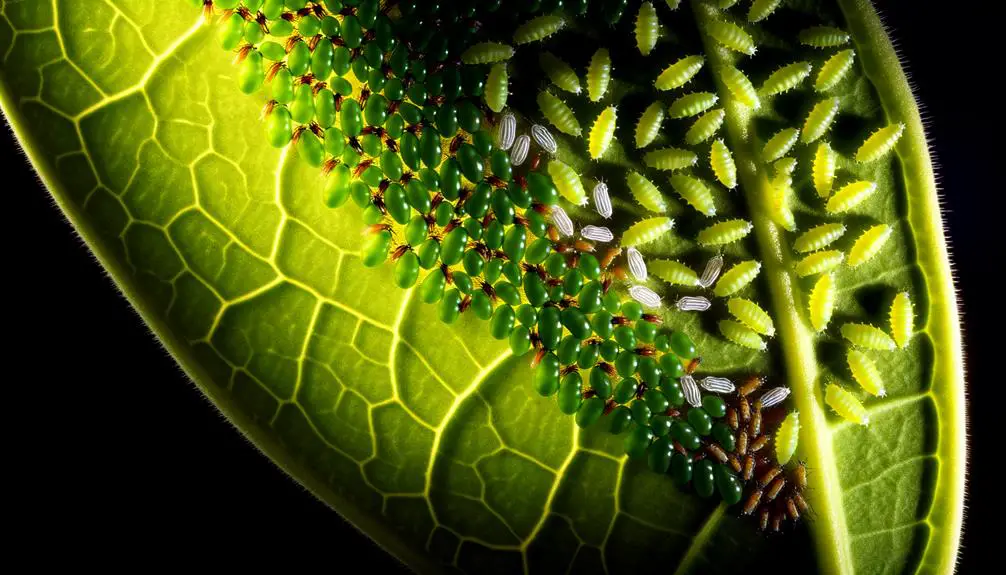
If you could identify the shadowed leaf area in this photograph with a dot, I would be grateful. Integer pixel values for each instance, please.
(430, 437)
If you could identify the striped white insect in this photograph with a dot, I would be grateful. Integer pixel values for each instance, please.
(562, 221)
(645, 296)
(693, 303)
(774, 397)
(544, 138)
(637, 265)
(597, 234)
(519, 151)
(602, 201)
(691, 390)
(717, 384)
(712, 272)
(506, 132)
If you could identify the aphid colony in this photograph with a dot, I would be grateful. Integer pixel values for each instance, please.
(410, 121)
(816, 256)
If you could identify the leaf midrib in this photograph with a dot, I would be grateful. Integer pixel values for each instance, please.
(794, 336)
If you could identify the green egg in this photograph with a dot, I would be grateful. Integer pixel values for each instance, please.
(449, 306)
(501, 322)
(589, 412)
(702, 478)
(600, 383)
(520, 341)
(569, 349)
(570, 392)
(432, 288)
(546, 376)
(638, 441)
(658, 455)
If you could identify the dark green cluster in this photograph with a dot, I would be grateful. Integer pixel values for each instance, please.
(377, 96)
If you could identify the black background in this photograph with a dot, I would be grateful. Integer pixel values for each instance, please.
(111, 452)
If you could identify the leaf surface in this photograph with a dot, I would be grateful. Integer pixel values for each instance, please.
(428, 437)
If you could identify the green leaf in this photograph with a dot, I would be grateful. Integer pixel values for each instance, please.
(428, 437)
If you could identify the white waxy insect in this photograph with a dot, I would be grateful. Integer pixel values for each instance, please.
(693, 303)
(774, 397)
(717, 384)
(602, 201)
(506, 132)
(519, 152)
(562, 221)
(691, 390)
(543, 138)
(645, 296)
(637, 266)
(712, 271)
(597, 234)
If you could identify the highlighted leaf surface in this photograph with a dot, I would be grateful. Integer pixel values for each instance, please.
(428, 436)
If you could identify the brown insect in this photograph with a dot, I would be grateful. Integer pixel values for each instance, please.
(750, 385)
(745, 410)
(732, 418)
(775, 488)
(749, 467)
(755, 425)
(769, 475)
(791, 509)
(742, 442)
(752, 502)
(717, 452)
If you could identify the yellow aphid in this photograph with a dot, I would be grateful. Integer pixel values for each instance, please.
(731, 36)
(647, 28)
(850, 196)
(740, 87)
(695, 192)
(704, 128)
(722, 163)
(724, 232)
(645, 192)
(822, 302)
(786, 78)
(558, 113)
(819, 262)
(865, 372)
(784, 166)
(867, 337)
(538, 29)
(649, 124)
(679, 73)
(879, 143)
(741, 335)
(824, 169)
(819, 120)
(752, 315)
(834, 70)
(787, 437)
(602, 132)
(902, 319)
(673, 272)
(598, 74)
(819, 237)
(845, 405)
(646, 231)
(737, 277)
(780, 144)
(567, 182)
(869, 244)
(777, 193)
